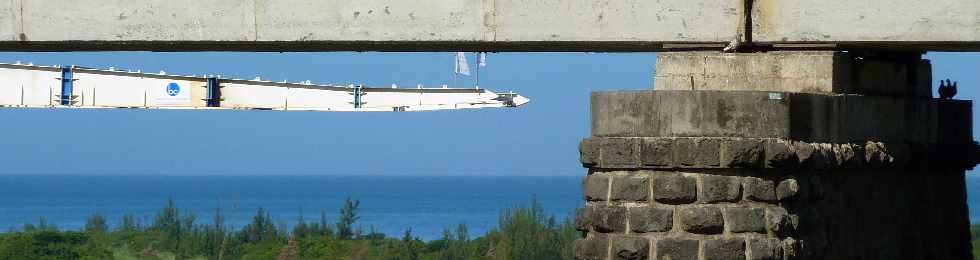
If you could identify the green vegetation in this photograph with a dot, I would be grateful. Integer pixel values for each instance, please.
(523, 233)
(975, 240)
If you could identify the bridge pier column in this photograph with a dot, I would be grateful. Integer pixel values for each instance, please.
(778, 155)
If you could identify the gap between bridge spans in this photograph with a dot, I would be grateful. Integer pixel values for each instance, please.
(485, 25)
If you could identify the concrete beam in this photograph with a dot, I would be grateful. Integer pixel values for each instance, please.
(926, 25)
(484, 25)
(879, 74)
(411, 25)
(794, 116)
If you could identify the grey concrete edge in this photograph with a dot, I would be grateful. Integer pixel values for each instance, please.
(771, 153)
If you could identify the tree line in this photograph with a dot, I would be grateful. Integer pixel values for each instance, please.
(522, 233)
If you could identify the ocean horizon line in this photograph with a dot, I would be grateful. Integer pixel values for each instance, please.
(284, 175)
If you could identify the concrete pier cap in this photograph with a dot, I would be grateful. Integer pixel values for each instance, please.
(824, 154)
(840, 72)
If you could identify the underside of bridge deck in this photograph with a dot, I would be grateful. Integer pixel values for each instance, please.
(486, 25)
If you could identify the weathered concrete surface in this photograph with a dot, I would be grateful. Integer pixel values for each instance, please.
(792, 71)
(881, 21)
(881, 74)
(796, 116)
(487, 25)
(689, 113)
(363, 25)
(340, 20)
(97, 20)
(614, 21)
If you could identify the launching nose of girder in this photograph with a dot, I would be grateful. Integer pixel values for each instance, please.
(511, 99)
(520, 100)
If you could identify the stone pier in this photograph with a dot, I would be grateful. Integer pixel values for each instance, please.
(778, 155)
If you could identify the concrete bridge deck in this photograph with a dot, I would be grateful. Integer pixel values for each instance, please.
(484, 25)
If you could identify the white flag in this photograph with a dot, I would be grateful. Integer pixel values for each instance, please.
(462, 67)
(483, 59)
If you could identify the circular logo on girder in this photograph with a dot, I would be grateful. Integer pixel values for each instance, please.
(173, 89)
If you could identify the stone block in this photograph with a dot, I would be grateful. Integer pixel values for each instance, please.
(595, 187)
(780, 155)
(619, 152)
(630, 248)
(715, 188)
(764, 249)
(685, 152)
(876, 155)
(656, 152)
(708, 152)
(589, 152)
(672, 188)
(758, 189)
(702, 220)
(743, 153)
(806, 153)
(595, 248)
(780, 222)
(676, 249)
(647, 219)
(630, 188)
(791, 248)
(607, 219)
(787, 189)
(583, 218)
(742, 219)
(724, 249)
(848, 155)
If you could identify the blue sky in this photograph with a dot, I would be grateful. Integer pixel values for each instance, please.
(538, 139)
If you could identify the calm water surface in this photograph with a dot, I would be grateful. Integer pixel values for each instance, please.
(390, 204)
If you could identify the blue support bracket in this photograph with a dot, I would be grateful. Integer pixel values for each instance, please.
(214, 92)
(67, 83)
(358, 91)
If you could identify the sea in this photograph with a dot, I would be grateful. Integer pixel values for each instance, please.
(428, 205)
